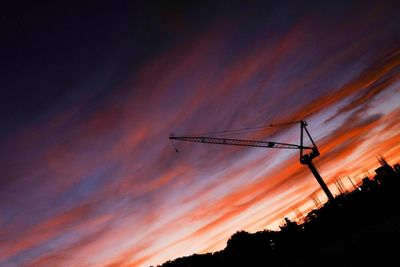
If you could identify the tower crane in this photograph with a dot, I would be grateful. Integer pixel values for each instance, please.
(307, 153)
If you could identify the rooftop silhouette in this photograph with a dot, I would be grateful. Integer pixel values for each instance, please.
(359, 228)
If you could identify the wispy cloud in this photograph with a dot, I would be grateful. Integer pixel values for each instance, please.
(98, 183)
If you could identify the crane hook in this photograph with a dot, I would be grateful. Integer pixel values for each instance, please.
(173, 144)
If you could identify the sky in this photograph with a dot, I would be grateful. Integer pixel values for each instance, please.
(90, 93)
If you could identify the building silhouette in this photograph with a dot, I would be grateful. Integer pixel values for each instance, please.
(357, 229)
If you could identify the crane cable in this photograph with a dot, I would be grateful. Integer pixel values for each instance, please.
(174, 146)
(222, 133)
(231, 132)
(246, 130)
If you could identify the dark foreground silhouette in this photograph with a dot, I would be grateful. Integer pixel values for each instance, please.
(360, 228)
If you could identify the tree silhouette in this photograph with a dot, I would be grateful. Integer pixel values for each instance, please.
(357, 229)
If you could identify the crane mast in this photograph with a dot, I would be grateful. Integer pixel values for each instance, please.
(305, 158)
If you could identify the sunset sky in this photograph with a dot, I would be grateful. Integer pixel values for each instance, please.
(91, 92)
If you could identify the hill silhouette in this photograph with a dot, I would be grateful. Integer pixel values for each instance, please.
(358, 228)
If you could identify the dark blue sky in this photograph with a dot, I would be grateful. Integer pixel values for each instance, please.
(90, 92)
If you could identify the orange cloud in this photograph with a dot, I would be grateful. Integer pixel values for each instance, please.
(110, 166)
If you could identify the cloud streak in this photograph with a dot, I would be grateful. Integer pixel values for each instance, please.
(96, 183)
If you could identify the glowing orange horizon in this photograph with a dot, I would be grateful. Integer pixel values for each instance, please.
(105, 188)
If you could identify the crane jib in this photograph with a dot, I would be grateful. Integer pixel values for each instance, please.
(237, 142)
(305, 159)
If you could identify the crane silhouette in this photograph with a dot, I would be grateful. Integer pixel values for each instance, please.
(306, 158)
